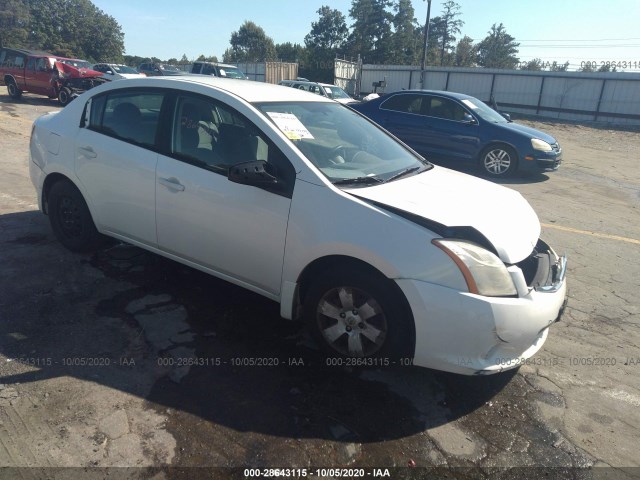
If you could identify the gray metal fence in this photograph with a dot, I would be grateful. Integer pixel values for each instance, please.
(347, 75)
(269, 72)
(603, 97)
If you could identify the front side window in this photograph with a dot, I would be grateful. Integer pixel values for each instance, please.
(337, 92)
(123, 69)
(132, 116)
(232, 72)
(211, 135)
(347, 148)
(446, 109)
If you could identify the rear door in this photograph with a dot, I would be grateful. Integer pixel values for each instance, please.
(116, 161)
(234, 231)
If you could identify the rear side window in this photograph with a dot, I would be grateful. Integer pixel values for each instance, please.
(132, 116)
(12, 59)
(208, 69)
(405, 103)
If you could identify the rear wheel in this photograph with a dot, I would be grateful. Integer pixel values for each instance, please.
(14, 91)
(70, 218)
(499, 161)
(354, 314)
(64, 96)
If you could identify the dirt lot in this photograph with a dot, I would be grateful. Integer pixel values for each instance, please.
(125, 359)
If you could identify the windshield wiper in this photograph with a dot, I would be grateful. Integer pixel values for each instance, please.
(356, 180)
(403, 173)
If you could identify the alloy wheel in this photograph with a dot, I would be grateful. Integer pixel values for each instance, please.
(351, 322)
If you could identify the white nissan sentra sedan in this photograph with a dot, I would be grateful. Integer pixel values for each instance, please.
(387, 258)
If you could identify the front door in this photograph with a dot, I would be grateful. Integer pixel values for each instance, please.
(234, 231)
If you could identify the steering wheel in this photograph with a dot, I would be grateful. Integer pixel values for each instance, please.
(336, 155)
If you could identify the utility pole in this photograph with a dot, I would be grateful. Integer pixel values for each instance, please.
(426, 44)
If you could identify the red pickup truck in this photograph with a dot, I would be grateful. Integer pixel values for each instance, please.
(45, 74)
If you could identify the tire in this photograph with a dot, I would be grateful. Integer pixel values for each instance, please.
(353, 314)
(499, 161)
(13, 90)
(64, 96)
(70, 218)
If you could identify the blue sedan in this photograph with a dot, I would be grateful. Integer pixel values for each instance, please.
(457, 128)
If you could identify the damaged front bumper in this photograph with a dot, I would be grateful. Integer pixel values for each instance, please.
(471, 334)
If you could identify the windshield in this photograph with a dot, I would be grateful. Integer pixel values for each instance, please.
(231, 72)
(483, 110)
(76, 63)
(348, 149)
(169, 68)
(337, 92)
(123, 69)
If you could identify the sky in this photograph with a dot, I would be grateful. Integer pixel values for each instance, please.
(560, 30)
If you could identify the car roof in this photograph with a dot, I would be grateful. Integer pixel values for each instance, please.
(216, 64)
(436, 92)
(36, 53)
(249, 91)
(304, 82)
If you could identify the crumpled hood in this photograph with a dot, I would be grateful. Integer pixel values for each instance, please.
(455, 199)
(70, 71)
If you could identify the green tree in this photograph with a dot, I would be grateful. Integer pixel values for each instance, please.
(330, 32)
(14, 23)
(326, 40)
(466, 53)
(447, 27)
(588, 67)
(250, 44)
(75, 28)
(289, 52)
(371, 30)
(535, 65)
(406, 44)
(558, 67)
(498, 49)
(134, 60)
(607, 67)
(204, 58)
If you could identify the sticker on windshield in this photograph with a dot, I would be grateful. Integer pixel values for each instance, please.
(469, 103)
(290, 125)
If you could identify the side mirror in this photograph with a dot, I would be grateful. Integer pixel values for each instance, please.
(468, 119)
(506, 116)
(251, 173)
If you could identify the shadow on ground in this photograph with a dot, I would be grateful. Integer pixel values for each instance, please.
(77, 306)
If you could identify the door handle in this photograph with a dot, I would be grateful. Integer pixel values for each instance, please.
(171, 183)
(88, 151)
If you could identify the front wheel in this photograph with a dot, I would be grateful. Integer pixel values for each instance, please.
(499, 161)
(357, 315)
(70, 218)
(13, 90)
(64, 96)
